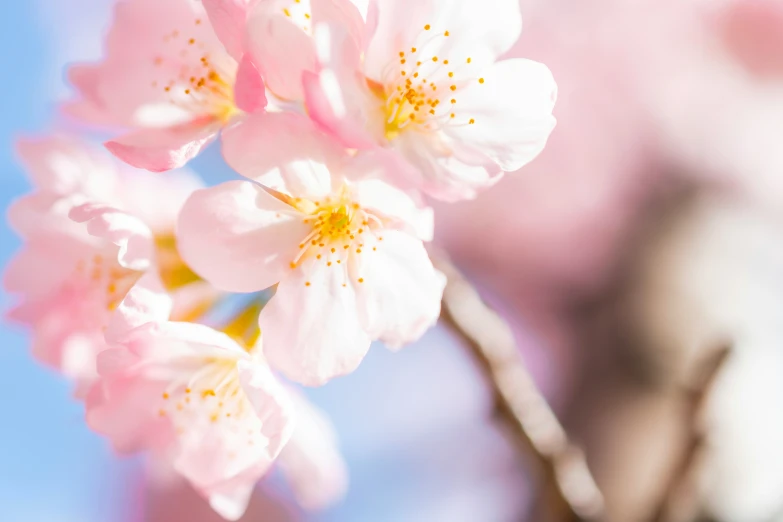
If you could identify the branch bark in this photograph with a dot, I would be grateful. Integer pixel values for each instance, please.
(521, 405)
(680, 500)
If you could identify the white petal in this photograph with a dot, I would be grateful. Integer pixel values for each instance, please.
(450, 170)
(146, 302)
(312, 331)
(384, 199)
(512, 110)
(239, 237)
(481, 31)
(129, 233)
(399, 298)
(283, 151)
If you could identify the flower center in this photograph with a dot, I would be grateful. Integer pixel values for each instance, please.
(196, 80)
(421, 91)
(210, 387)
(341, 230)
(173, 271)
(298, 12)
(111, 280)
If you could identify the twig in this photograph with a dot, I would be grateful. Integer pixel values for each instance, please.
(679, 499)
(520, 403)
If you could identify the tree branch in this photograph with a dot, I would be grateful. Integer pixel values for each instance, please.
(679, 500)
(520, 403)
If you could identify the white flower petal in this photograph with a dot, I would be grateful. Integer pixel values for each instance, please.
(311, 326)
(511, 110)
(239, 237)
(399, 298)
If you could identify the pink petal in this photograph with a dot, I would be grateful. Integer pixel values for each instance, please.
(159, 150)
(147, 301)
(341, 13)
(284, 151)
(271, 402)
(63, 164)
(406, 210)
(445, 169)
(144, 52)
(249, 92)
(89, 108)
(84, 78)
(224, 464)
(311, 326)
(239, 237)
(232, 504)
(167, 343)
(123, 410)
(398, 24)
(174, 188)
(311, 461)
(228, 18)
(752, 31)
(39, 212)
(130, 234)
(204, 457)
(401, 293)
(222, 455)
(512, 111)
(325, 102)
(268, 32)
(337, 97)
(481, 30)
(43, 264)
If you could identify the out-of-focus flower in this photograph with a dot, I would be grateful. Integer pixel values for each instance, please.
(262, 28)
(719, 109)
(311, 461)
(716, 275)
(345, 247)
(194, 394)
(753, 32)
(427, 85)
(167, 77)
(71, 274)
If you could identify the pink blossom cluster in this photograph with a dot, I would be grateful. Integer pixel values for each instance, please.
(343, 118)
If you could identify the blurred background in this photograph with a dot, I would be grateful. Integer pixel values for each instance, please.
(647, 237)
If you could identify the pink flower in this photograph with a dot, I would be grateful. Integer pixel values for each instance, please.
(167, 78)
(343, 246)
(311, 461)
(194, 394)
(753, 32)
(70, 284)
(277, 35)
(71, 274)
(428, 86)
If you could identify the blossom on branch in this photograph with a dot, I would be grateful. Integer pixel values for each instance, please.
(428, 86)
(168, 79)
(276, 35)
(204, 400)
(90, 234)
(344, 247)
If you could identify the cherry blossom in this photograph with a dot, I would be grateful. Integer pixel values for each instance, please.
(428, 87)
(205, 400)
(82, 253)
(261, 28)
(168, 79)
(344, 247)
